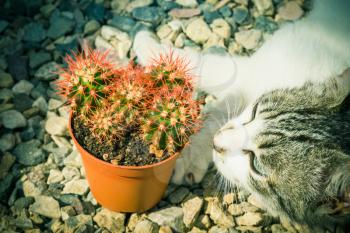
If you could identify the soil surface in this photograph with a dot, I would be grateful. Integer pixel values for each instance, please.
(131, 151)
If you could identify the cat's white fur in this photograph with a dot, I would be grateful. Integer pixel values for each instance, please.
(314, 49)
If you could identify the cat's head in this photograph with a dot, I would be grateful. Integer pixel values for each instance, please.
(291, 150)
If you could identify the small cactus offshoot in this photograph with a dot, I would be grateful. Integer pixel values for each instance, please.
(155, 100)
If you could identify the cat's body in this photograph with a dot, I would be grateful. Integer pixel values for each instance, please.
(309, 52)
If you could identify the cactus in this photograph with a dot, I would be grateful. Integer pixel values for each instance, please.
(86, 82)
(156, 100)
(172, 115)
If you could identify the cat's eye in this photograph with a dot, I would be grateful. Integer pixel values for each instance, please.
(255, 165)
(254, 110)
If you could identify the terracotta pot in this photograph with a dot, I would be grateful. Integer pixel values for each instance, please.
(125, 188)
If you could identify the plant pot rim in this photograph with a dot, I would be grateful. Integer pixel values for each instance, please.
(174, 156)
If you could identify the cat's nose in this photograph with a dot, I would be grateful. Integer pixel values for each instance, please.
(218, 149)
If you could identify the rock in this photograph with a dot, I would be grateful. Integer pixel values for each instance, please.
(73, 159)
(249, 39)
(203, 222)
(22, 87)
(30, 189)
(123, 23)
(178, 196)
(39, 58)
(165, 229)
(229, 198)
(91, 26)
(59, 25)
(133, 220)
(47, 72)
(23, 203)
(22, 102)
(265, 24)
(172, 217)
(225, 11)
(5, 94)
(148, 14)
(137, 3)
(7, 142)
(67, 211)
(119, 5)
(249, 229)
(197, 230)
(278, 228)
(169, 31)
(254, 202)
(46, 206)
(221, 28)
(290, 11)
(95, 11)
(29, 153)
(118, 39)
(79, 223)
(56, 125)
(70, 173)
(55, 176)
(78, 187)
(13, 119)
(17, 66)
(180, 40)
(218, 215)
(7, 161)
(54, 104)
(263, 5)
(210, 16)
(187, 3)
(6, 79)
(34, 32)
(3, 25)
(253, 219)
(102, 43)
(217, 229)
(243, 207)
(146, 226)
(240, 14)
(22, 222)
(184, 13)
(198, 31)
(41, 104)
(191, 209)
(112, 221)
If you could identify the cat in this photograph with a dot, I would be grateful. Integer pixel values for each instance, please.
(302, 75)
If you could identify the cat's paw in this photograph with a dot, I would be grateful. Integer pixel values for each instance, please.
(188, 170)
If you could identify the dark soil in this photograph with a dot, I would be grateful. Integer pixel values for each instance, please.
(130, 151)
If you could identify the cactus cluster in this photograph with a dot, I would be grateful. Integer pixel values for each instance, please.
(156, 100)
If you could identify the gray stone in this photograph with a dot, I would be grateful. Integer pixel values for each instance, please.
(5, 94)
(197, 230)
(263, 5)
(217, 229)
(13, 119)
(91, 26)
(249, 39)
(78, 187)
(22, 87)
(119, 40)
(34, 32)
(184, 13)
(172, 217)
(179, 195)
(148, 14)
(22, 222)
(198, 31)
(70, 173)
(56, 125)
(221, 28)
(253, 219)
(241, 208)
(30, 189)
(29, 153)
(6, 163)
(17, 66)
(112, 221)
(191, 209)
(290, 11)
(54, 104)
(278, 228)
(79, 223)
(146, 226)
(6, 79)
(23, 202)
(218, 215)
(59, 26)
(41, 104)
(73, 159)
(39, 58)
(46, 206)
(3, 25)
(187, 3)
(138, 3)
(123, 23)
(7, 142)
(55, 176)
(240, 14)
(47, 72)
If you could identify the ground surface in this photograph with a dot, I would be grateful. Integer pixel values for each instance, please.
(42, 183)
